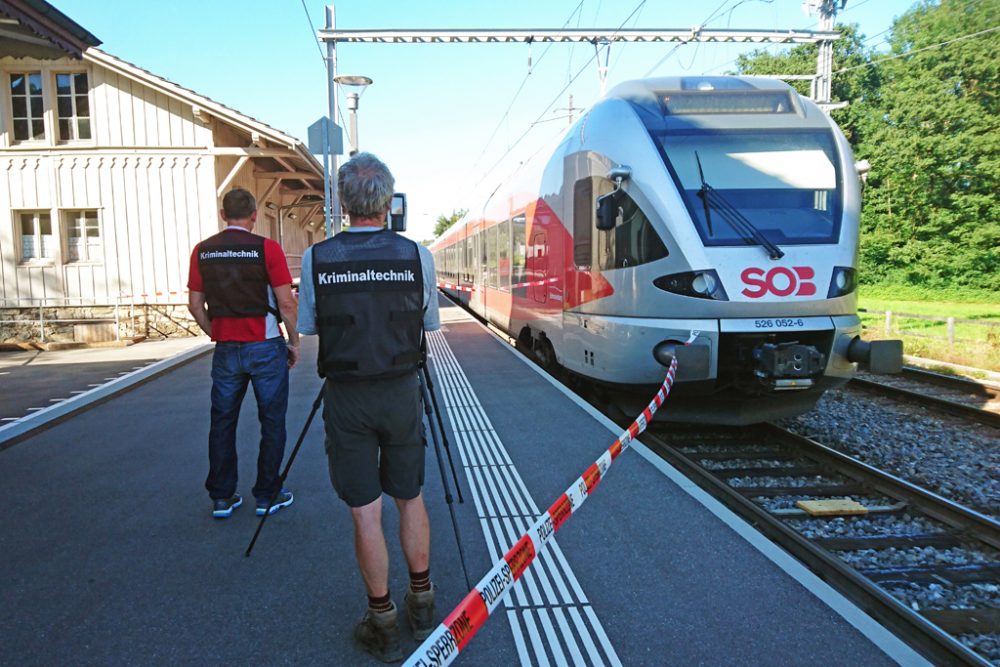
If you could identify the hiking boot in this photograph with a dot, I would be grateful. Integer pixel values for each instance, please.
(420, 613)
(283, 499)
(378, 633)
(223, 507)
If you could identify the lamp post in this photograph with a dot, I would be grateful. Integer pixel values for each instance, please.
(353, 81)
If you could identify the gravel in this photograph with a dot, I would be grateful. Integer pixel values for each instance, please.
(864, 559)
(861, 526)
(949, 456)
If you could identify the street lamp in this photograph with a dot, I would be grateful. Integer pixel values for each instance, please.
(353, 81)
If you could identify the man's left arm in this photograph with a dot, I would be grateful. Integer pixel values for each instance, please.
(281, 282)
(432, 318)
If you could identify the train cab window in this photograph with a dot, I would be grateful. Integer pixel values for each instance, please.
(583, 221)
(786, 183)
(491, 257)
(519, 250)
(633, 241)
(503, 255)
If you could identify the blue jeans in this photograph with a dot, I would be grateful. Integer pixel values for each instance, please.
(234, 365)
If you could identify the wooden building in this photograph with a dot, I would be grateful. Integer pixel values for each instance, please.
(111, 174)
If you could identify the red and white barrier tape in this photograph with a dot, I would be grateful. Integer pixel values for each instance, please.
(460, 288)
(451, 636)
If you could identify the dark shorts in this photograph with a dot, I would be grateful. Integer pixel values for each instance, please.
(374, 438)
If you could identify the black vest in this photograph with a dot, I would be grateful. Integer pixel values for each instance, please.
(234, 275)
(369, 305)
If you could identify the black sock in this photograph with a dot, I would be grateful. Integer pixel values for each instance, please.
(420, 581)
(381, 604)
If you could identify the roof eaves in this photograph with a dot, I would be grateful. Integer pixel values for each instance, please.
(221, 111)
(48, 22)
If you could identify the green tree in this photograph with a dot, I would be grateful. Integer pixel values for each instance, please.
(932, 135)
(446, 221)
(925, 115)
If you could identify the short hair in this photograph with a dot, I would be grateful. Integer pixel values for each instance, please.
(238, 204)
(365, 186)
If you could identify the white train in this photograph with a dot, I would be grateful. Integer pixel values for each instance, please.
(723, 205)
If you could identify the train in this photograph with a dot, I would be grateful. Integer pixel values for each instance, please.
(711, 219)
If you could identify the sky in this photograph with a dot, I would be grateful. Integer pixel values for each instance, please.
(449, 120)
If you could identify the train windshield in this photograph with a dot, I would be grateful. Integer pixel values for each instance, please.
(783, 182)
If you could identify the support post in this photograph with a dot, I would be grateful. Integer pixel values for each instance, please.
(330, 163)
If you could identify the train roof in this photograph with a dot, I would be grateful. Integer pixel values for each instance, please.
(716, 101)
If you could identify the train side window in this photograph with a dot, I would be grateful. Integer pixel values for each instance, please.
(491, 257)
(583, 221)
(633, 241)
(503, 255)
(519, 251)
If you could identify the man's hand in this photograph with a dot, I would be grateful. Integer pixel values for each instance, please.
(293, 355)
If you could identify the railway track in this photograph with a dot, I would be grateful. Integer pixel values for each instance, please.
(922, 565)
(967, 399)
(761, 473)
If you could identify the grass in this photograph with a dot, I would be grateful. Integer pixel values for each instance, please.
(974, 345)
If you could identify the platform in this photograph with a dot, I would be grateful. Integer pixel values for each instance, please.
(111, 555)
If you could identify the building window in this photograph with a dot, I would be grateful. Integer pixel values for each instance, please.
(72, 106)
(83, 236)
(27, 105)
(37, 241)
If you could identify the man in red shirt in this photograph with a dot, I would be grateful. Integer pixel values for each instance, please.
(240, 290)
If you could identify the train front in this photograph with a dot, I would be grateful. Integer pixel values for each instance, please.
(755, 195)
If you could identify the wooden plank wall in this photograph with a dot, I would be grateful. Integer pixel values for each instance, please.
(152, 179)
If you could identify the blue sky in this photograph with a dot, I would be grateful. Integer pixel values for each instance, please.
(433, 109)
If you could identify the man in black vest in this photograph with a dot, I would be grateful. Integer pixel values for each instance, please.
(239, 291)
(369, 293)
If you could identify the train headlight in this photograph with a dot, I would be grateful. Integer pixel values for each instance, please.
(844, 281)
(699, 284)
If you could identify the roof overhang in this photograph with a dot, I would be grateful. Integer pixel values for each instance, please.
(38, 26)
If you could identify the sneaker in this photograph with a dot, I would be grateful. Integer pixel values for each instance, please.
(378, 633)
(223, 507)
(284, 499)
(420, 613)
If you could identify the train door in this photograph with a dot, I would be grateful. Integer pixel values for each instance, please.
(479, 272)
(538, 272)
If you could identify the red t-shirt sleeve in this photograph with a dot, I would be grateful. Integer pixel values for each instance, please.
(195, 283)
(277, 265)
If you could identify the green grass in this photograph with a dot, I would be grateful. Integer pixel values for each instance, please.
(974, 345)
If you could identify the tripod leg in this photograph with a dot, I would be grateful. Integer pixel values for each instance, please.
(444, 478)
(288, 466)
(447, 448)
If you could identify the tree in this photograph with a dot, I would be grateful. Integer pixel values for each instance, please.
(932, 135)
(446, 221)
(925, 116)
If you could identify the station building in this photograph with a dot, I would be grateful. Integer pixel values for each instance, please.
(111, 174)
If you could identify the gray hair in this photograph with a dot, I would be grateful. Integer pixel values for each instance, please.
(365, 186)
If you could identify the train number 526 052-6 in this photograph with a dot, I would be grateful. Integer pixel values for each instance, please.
(779, 323)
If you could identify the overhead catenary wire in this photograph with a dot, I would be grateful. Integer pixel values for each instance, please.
(524, 82)
(557, 97)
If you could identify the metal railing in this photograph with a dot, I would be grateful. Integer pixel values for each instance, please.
(893, 325)
(118, 305)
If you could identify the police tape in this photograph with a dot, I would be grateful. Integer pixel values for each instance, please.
(444, 644)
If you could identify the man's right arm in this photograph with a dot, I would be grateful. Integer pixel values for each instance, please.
(196, 306)
(307, 296)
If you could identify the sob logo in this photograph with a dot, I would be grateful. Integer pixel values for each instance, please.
(779, 281)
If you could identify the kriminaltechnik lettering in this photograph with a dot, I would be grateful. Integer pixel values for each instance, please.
(370, 275)
(229, 254)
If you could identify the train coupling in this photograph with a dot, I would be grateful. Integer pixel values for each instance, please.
(877, 356)
(787, 366)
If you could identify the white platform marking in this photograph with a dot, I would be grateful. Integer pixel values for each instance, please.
(542, 611)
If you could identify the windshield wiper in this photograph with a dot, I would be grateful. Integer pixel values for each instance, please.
(746, 230)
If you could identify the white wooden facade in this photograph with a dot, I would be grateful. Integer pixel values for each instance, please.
(112, 217)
